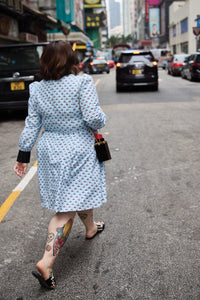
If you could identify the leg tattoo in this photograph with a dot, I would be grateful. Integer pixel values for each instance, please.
(48, 248)
(50, 237)
(61, 237)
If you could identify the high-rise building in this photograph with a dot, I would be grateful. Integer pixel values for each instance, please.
(126, 18)
(115, 17)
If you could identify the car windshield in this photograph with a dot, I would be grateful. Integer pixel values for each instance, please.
(179, 57)
(130, 58)
(20, 58)
(99, 61)
(198, 59)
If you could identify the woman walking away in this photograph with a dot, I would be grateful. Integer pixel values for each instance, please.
(71, 179)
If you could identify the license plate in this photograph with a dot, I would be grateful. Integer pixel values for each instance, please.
(136, 72)
(16, 86)
(100, 65)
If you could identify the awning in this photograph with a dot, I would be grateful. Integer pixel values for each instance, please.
(46, 21)
(146, 42)
(78, 37)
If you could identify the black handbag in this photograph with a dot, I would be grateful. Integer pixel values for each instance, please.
(102, 149)
(100, 145)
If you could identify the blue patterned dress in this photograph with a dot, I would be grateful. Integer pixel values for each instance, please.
(69, 173)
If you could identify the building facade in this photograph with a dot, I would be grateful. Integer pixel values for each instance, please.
(126, 18)
(95, 20)
(115, 14)
(20, 22)
(183, 17)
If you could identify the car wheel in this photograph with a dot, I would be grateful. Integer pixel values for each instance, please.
(190, 76)
(108, 72)
(155, 87)
(168, 71)
(87, 71)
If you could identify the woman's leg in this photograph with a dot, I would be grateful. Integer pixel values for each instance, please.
(58, 232)
(86, 217)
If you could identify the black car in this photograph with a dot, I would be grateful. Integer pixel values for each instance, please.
(19, 65)
(136, 68)
(191, 67)
(96, 65)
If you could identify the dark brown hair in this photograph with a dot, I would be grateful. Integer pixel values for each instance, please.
(57, 60)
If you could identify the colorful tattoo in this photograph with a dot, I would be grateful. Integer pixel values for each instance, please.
(61, 237)
(48, 248)
(50, 237)
(82, 216)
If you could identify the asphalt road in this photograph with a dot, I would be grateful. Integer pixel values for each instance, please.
(150, 246)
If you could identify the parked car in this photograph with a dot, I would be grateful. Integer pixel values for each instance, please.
(191, 67)
(19, 65)
(161, 56)
(176, 64)
(95, 66)
(136, 68)
(111, 63)
(82, 63)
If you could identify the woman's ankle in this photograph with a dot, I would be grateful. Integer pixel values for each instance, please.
(44, 269)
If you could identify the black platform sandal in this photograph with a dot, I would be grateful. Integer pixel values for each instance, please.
(100, 228)
(49, 284)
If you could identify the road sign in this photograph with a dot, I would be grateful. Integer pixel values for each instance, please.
(88, 45)
(196, 30)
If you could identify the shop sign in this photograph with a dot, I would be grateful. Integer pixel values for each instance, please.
(92, 3)
(154, 2)
(78, 13)
(28, 37)
(154, 22)
(9, 26)
(93, 21)
(146, 10)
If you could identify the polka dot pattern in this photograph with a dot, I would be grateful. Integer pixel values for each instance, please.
(69, 173)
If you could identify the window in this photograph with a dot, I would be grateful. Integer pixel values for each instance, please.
(184, 25)
(174, 30)
(184, 47)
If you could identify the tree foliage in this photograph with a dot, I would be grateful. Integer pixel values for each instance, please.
(116, 39)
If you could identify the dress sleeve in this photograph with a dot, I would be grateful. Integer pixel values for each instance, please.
(89, 104)
(32, 127)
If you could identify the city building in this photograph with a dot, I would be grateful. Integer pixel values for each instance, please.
(95, 20)
(114, 13)
(103, 36)
(126, 18)
(20, 22)
(183, 17)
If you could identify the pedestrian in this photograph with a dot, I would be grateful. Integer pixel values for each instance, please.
(168, 59)
(71, 179)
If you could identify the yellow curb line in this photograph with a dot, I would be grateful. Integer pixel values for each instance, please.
(5, 207)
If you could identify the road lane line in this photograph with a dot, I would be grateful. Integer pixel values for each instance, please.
(8, 203)
(5, 207)
(97, 82)
(27, 178)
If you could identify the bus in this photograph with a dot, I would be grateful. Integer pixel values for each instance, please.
(117, 49)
